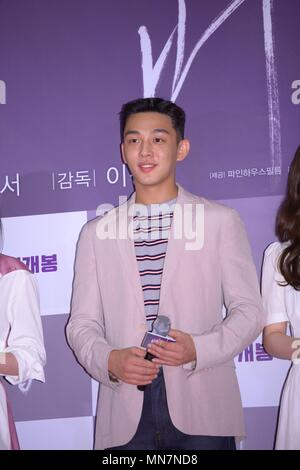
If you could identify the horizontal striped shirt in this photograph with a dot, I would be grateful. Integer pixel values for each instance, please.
(151, 233)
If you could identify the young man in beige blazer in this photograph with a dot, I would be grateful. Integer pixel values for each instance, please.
(191, 398)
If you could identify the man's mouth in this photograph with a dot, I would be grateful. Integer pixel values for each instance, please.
(147, 167)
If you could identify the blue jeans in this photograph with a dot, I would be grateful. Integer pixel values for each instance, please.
(157, 432)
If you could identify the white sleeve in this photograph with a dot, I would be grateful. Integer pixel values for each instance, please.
(25, 339)
(272, 292)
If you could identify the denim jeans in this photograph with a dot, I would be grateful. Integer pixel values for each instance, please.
(157, 432)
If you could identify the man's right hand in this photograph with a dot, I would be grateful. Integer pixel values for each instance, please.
(129, 365)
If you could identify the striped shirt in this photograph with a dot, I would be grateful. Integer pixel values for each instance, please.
(151, 233)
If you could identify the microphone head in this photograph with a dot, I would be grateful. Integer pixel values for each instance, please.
(161, 326)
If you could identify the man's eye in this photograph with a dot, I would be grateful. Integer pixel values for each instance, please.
(133, 141)
(158, 140)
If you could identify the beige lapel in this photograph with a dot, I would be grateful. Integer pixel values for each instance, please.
(175, 248)
(127, 254)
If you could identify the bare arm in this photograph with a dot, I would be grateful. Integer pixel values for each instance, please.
(277, 342)
(8, 364)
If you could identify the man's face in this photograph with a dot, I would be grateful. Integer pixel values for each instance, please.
(150, 149)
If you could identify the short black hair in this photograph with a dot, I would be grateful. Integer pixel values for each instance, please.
(155, 105)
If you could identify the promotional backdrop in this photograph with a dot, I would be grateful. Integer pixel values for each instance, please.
(66, 67)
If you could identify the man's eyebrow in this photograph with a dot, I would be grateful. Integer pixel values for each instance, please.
(131, 132)
(161, 130)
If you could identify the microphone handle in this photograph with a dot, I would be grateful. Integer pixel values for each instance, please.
(149, 357)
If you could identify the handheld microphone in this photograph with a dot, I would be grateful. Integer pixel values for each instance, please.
(160, 329)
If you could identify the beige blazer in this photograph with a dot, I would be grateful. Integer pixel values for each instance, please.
(108, 312)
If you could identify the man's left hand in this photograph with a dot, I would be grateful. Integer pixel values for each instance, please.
(174, 354)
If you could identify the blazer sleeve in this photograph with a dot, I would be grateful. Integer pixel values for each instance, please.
(245, 318)
(86, 329)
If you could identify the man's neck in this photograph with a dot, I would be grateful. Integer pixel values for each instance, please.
(152, 195)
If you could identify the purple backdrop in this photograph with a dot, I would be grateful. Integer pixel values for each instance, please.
(66, 66)
(69, 65)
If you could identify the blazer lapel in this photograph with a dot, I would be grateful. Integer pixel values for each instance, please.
(176, 246)
(127, 252)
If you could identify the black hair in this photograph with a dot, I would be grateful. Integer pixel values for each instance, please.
(288, 226)
(156, 105)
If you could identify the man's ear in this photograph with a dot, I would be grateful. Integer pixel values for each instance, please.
(123, 153)
(183, 149)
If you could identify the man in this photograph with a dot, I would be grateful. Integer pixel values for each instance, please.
(124, 279)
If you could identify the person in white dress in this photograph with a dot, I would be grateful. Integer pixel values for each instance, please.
(281, 298)
(22, 352)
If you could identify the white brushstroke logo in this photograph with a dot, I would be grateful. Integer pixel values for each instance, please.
(272, 87)
(152, 73)
(2, 92)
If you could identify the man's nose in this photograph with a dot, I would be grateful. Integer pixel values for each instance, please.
(146, 149)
